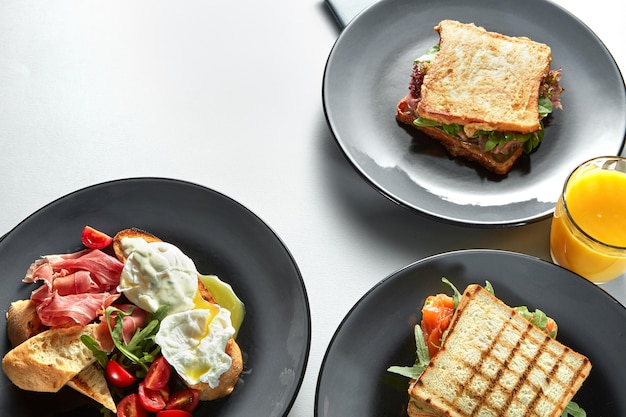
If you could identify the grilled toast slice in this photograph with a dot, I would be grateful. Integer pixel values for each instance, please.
(480, 82)
(23, 323)
(92, 383)
(484, 80)
(48, 360)
(493, 362)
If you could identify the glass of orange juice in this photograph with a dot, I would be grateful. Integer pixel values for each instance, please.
(588, 233)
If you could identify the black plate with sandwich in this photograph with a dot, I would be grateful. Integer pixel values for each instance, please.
(223, 238)
(377, 332)
(369, 71)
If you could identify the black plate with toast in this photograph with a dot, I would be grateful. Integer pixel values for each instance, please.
(378, 331)
(368, 72)
(223, 238)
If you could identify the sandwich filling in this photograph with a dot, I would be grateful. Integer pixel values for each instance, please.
(501, 144)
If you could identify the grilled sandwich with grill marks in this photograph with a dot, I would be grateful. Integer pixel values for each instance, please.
(495, 363)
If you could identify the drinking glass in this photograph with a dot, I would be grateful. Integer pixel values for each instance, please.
(588, 232)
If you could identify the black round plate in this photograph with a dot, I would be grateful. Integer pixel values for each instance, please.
(223, 238)
(368, 72)
(378, 330)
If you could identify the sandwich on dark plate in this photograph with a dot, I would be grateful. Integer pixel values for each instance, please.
(483, 95)
(476, 356)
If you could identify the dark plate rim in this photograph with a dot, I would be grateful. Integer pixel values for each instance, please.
(431, 259)
(372, 182)
(301, 284)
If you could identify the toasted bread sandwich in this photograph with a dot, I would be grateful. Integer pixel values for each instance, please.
(494, 362)
(482, 94)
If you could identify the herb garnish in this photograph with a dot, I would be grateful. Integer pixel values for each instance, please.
(140, 351)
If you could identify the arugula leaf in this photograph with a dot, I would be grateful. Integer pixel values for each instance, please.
(142, 349)
(429, 55)
(457, 295)
(94, 346)
(573, 410)
(421, 361)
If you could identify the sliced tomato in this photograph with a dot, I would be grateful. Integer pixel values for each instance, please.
(118, 376)
(152, 400)
(186, 399)
(174, 413)
(95, 239)
(158, 375)
(129, 406)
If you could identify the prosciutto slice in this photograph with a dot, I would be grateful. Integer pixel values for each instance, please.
(105, 270)
(76, 286)
(70, 310)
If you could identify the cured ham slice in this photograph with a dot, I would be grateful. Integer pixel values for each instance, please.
(76, 288)
(70, 310)
(105, 270)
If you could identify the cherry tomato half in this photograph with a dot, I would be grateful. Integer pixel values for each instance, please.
(174, 413)
(158, 375)
(153, 400)
(129, 406)
(186, 400)
(95, 239)
(117, 375)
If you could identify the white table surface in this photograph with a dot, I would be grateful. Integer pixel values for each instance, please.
(228, 95)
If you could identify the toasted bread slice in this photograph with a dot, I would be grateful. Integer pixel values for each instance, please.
(493, 362)
(228, 379)
(470, 150)
(23, 321)
(92, 383)
(132, 232)
(484, 80)
(48, 360)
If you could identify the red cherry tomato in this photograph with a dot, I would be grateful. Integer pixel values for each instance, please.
(95, 239)
(186, 400)
(129, 406)
(158, 375)
(174, 413)
(118, 376)
(152, 400)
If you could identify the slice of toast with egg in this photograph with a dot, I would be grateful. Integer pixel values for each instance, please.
(229, 378)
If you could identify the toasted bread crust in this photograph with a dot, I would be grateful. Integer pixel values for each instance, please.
(455, 146)
(23, 321)
(484, 80)
(495, 362)
(48, 360)
(132, 232)
(228, 379)
(92, 383)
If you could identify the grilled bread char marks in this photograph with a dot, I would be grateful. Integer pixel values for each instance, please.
(493, 362)
(484, 80)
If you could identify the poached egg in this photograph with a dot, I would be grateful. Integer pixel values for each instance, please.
(158, 273)
(193, 342)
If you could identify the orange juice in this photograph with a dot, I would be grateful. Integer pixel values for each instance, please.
(588, 234)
